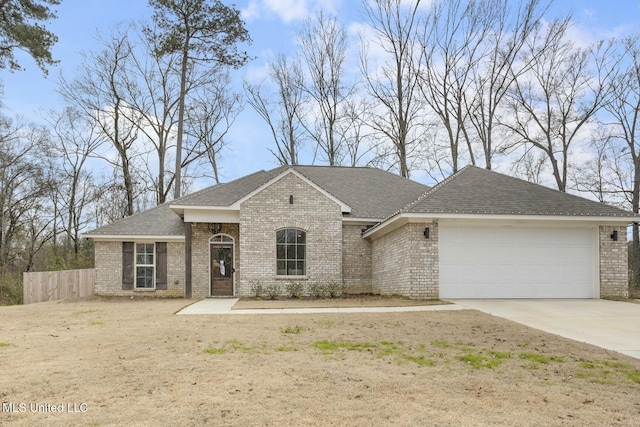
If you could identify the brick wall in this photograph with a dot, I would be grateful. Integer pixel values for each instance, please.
(270, 210)
(200, 241)
(404, 262)
(356, 260)
(614, 279)
(108, 256)
(108, 259)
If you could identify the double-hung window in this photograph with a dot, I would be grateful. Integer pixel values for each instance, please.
(145, 266)
(291, 251)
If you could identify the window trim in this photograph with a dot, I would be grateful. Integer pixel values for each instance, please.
(136, 265)
(305, 244)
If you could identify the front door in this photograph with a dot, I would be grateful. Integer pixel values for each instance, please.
(221, 270)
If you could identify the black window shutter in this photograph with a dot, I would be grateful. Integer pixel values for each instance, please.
(127, 265)
(161, 266)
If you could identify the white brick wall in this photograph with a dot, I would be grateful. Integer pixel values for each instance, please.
(356, 260)
(614, 268)
(404, 262)
(268, 211)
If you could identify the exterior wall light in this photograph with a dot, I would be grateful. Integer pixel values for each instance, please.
(614, 235)
(426, 232)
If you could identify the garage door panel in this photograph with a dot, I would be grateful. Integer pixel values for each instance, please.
(509, 262)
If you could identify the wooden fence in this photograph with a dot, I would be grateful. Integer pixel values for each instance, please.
(56, 285)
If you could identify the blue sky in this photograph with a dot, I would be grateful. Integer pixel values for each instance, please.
(272, 25)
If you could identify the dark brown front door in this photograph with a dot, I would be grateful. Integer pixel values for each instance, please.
(221, 270)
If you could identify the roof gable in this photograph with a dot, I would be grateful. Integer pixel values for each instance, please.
(345, 207)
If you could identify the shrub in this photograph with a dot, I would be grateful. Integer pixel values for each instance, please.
(295, 289)
(334, 289)
(317, 290)
(272, 291)
(256, 288)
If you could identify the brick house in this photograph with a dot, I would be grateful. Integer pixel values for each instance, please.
(478, 234)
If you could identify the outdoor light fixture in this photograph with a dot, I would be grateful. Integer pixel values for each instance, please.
(215, 227)
(614, 235)
(291, 199)
(426, 232)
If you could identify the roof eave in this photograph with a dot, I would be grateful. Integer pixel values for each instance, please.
(401, 218)
(133, 237)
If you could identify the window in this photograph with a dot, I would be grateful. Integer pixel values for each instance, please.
(221, 238)
(145, 253)
(291, 252)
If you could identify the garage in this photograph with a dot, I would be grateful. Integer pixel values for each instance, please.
(503, 261)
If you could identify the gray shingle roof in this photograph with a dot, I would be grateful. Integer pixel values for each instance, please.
(371, 193)
(158, 221)
(228, 193)
(479, 191)
(375, 194)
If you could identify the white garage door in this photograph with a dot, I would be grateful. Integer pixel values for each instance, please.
(507, 262)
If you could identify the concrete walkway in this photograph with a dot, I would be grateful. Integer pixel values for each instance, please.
(612, 325)
(223, 306)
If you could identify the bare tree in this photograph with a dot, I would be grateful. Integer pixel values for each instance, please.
(24, 220)
(283, 114)
(211, 112)
(355, 131)
(492, 78)
(324, 48)
(100, 92)
(452, 44)
(561, 93)
(394, 84)
(74, 142)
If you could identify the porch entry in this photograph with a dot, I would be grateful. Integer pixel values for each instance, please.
(221, 269)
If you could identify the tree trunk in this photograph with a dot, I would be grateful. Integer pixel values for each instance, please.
(183, 89)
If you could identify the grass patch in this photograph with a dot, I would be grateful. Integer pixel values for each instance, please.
(5, 344)
(602, 371)
(333, 346)
(230, 345)
(540, 358)
(440, 344)
(478, 361)
(237, 345)
(96, 323)
(483, 358)
(419, 360)
(78, 313)
(292, 329)
(284, 348)
(387, 348)
(214, 350)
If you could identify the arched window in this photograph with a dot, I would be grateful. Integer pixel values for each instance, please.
(291, 252)
(221, 238)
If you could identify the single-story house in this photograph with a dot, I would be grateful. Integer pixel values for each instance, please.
(477, 234)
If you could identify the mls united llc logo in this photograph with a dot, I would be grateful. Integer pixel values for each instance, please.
(20, 408)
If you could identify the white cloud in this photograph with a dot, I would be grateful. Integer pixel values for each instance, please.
(252, 11)
(288, 11)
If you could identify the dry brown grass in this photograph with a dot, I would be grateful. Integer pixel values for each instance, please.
(136, 363)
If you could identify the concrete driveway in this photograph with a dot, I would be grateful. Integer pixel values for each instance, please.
(611, 325)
